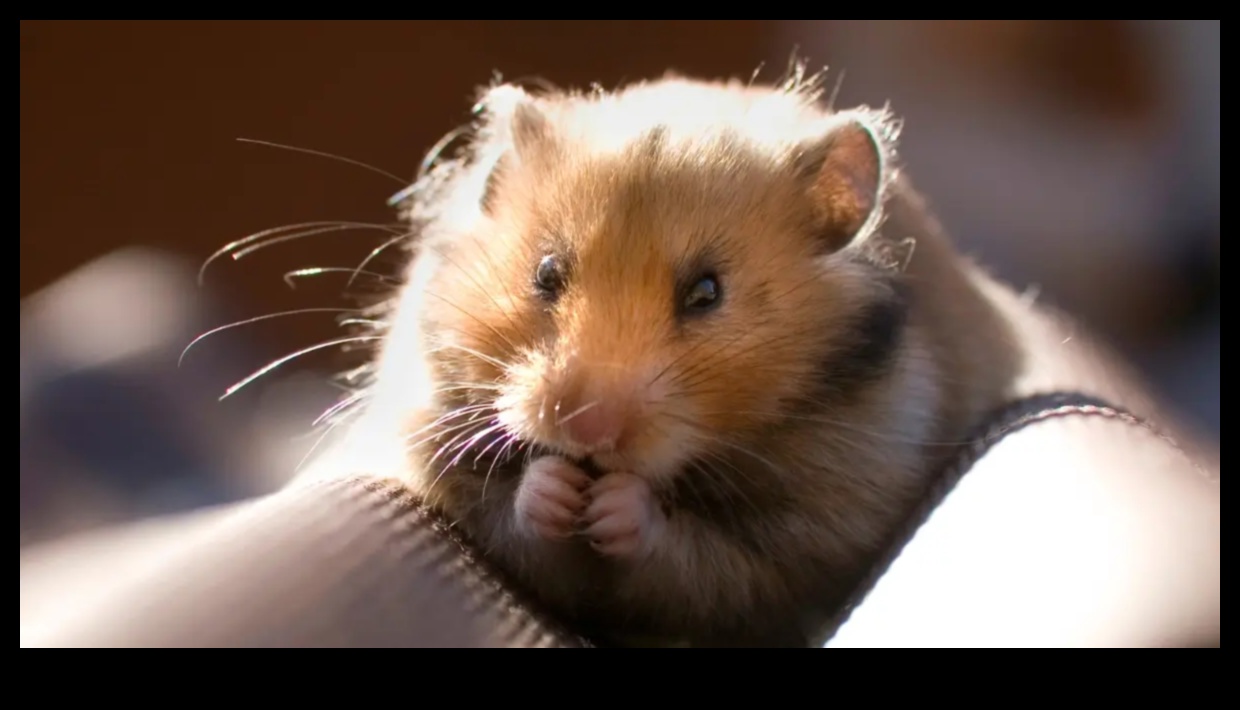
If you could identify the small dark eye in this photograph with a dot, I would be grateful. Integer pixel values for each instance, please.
(549, 276)
(703, 295)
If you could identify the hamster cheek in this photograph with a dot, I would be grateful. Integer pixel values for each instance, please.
(551, 498)
(623, 519)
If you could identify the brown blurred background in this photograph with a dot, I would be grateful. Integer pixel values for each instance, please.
(1080, 157)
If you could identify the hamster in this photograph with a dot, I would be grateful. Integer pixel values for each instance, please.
(679, 358)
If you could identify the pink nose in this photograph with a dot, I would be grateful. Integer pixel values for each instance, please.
(597, 426)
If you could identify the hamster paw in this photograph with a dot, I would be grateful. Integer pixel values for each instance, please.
(551, 497)
(623, 518)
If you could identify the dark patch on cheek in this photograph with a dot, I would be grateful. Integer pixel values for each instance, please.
(738, 499)
(868, 350)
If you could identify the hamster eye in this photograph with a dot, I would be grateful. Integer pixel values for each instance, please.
(702, 296)
(549, 277)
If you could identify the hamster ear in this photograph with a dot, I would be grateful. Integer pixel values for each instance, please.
(517, 130)
(515, 118)
(847, 173)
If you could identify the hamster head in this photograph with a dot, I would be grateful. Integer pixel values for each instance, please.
(648, 278)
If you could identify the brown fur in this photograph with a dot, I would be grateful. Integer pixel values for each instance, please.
(788, 432)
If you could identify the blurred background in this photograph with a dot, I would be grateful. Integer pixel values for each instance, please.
(1080, 158)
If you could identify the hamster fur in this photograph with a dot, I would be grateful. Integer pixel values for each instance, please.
(679, 358)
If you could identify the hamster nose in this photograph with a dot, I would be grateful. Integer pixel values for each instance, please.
(598, 425)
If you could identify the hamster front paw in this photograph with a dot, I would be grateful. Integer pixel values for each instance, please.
(623, 518)
(551, 497)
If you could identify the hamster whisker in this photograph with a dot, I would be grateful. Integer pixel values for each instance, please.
(416, 444)
(715, 476)
(368, 322)
(277, 235)
(469, 428)
(338, 407)
(483, 290)
(704, 364)
(444, 419)
(289, 278)
(490, 262)
(685, 354)
(257, 319)
(464, 447)
(446, 346)
(497, 440)
(336, 422)
(559, 421)
(488, 326)
(442, 449)
(437, 150)
(701, 371)
(706, 437)
(513, 440)
(481, 356)
(374, 253)
(270, 367)
(496, 459)
(737, 447)
(458, 386)
(323, 154)
(508, 440)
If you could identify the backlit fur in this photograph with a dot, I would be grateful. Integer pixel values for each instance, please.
(785, 433)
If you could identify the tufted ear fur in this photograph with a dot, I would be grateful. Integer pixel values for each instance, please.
(518, 129)
(847, 172)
